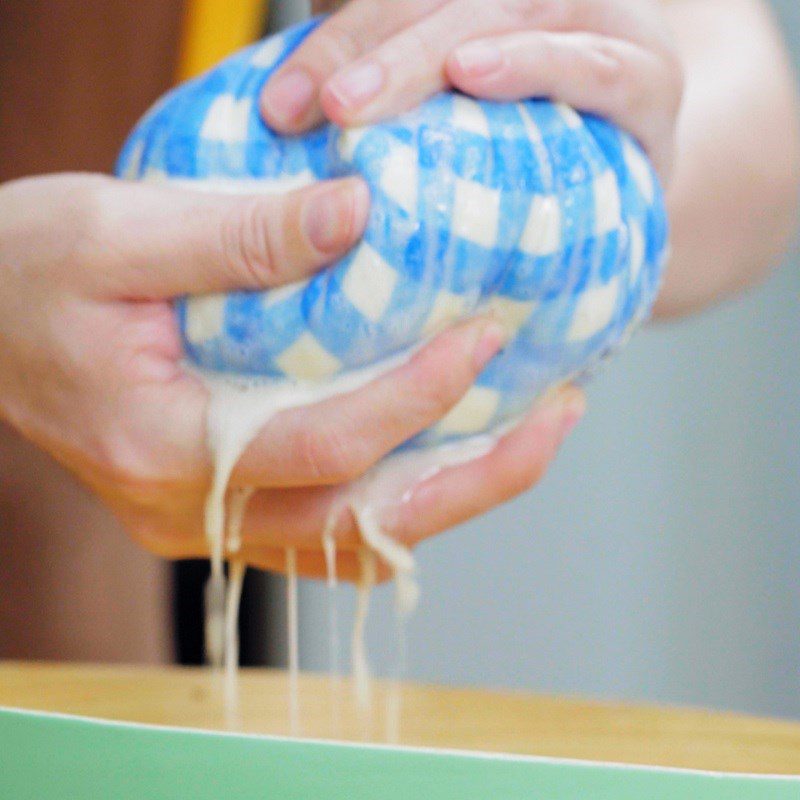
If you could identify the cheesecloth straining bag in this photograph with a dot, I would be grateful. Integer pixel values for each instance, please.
(552, 220)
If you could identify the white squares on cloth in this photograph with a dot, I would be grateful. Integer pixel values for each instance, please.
(569, 115)
(472, 414)
(469, 116)
(349, 141)
(269, 52)
(536, 139)
(476, 213)
(205, 317)
(400, 177)
(511, 314)
(307, 359)
(369, 282)
(531, 128)
(542, 234)
(594, 310)
(607, 203)
(637, 165)
(637, 250)
(447, 308)
(281, 293)
(131, 170)
(227, 119)
(155, 175)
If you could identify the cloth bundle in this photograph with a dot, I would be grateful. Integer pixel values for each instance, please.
(551, 220)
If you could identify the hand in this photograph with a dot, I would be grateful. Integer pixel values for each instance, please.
(90, 360)
(455, 495)
(376, 58)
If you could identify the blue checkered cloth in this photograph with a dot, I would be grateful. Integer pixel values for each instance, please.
(552, 220)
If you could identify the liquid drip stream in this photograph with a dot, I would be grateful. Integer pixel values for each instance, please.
(237, 411)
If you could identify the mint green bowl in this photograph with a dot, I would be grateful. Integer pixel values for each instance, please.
(45, 756)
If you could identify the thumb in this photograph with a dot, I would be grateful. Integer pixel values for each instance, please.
(171, 241)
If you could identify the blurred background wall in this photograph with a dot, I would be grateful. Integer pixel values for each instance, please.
(660, 559)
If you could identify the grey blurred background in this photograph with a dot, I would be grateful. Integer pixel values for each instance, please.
(660, 558)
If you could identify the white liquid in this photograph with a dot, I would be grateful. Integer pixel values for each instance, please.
(236, 573)
(293, 647)
(334, 676)
(238, 410)
(360, 662)
(389, 484)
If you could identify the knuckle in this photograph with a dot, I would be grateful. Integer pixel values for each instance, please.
(438, 395)
(676, 81)
(631, 94)
(91, 198)
(521, 8)
(527, 11)
(326, 458)
(550, 50)
(442, 375)
(659, 82)
(338, 43)
(125, 467)
(248, 243)
(605, 62)
(426, 48)
(89, 203)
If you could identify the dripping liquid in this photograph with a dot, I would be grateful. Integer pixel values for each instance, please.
(238, 410)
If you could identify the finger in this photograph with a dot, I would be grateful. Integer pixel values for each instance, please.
(517, 463)
(409, 67)
(337, 440)
(274, 521)
(311, 564)
(170, 241)
(637, 88)
(290, 100)
(276, 518)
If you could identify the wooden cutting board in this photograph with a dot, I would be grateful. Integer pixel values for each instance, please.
(432, 716)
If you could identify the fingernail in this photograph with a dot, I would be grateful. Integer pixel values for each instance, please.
(361, 203)
(288, 96)
(333, 215)
(357, 85)
(573, 410)
(478, 58)
(489, 341)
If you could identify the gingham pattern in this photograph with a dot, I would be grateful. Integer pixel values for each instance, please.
(553, 220)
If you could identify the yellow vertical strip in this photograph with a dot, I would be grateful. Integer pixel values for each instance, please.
(213, 29)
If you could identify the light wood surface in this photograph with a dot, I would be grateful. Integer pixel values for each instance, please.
(431, 716)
